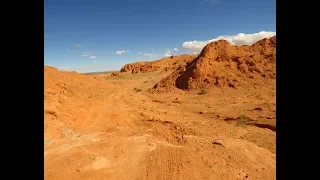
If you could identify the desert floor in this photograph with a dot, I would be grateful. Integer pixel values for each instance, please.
(112, 130)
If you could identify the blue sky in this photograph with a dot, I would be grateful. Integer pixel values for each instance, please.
(102, 35)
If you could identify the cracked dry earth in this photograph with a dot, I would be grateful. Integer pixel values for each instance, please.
(99, 127)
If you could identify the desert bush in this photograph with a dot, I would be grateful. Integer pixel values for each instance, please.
(202, 92)
(137, 89)
(243, 120)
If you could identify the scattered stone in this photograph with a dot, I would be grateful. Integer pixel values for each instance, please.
(217, 143)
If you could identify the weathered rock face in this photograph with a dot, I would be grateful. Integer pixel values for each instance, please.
(165, 64)
(221, 64)
(115, 74)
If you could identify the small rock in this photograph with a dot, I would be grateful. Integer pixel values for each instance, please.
(200, 112)
(231, 85)
(258, 109)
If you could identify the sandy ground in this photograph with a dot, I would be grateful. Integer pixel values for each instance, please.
(102, 127)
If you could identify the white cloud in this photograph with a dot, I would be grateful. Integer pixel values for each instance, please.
(168, 53)
(68, 50)
(147, 54)
(92, 57)
(94, 61)
(121, 52)
(85, 55)
(139, 52)
(194, 52)
(175, 49)
(77, 45)
(239, 39)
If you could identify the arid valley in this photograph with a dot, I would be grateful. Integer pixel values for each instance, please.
(206, 116)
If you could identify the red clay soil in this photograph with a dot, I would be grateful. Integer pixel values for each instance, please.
(102, 128)
(223, 65)
(165, 64)
(67, 95)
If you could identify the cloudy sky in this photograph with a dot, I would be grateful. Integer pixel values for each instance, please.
(100, 35)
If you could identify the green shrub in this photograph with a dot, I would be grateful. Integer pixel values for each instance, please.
(202, 92)
(243, 119)
(137, 89)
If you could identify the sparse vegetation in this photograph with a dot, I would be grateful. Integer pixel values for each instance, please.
(202, 92)
(243, 119)
(192, 132)
(137, 89)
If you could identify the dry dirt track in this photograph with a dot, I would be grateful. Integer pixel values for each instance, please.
(138, 135)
